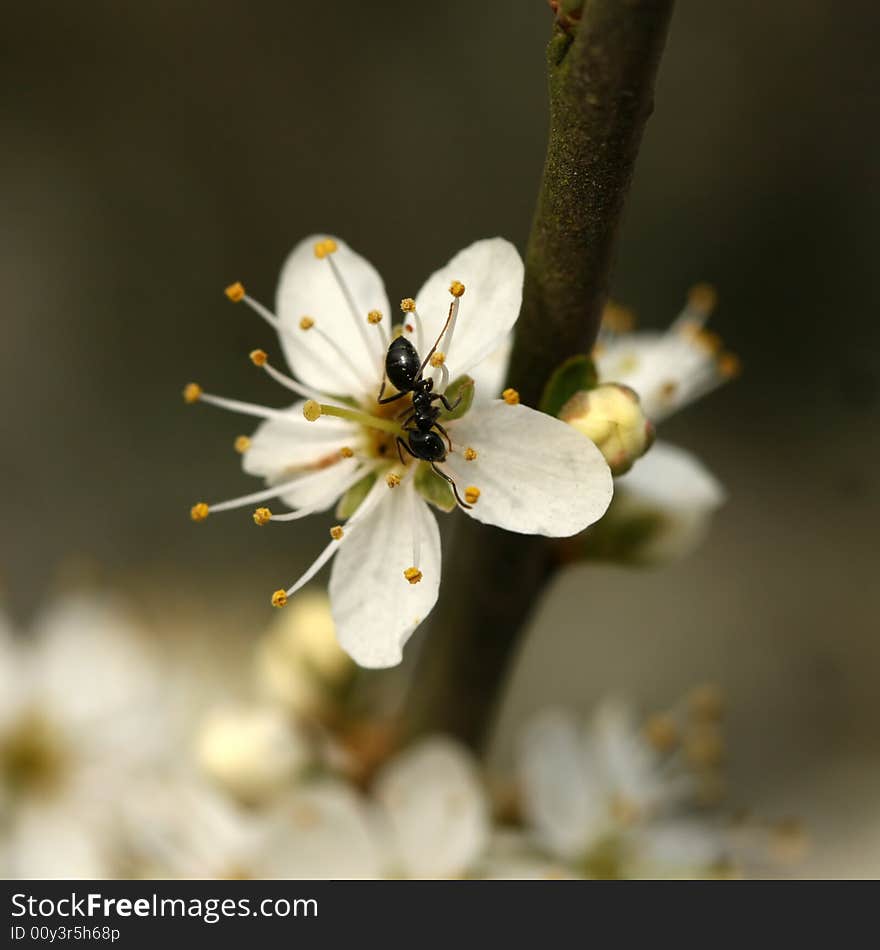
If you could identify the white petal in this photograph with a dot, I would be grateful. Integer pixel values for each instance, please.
(492, 273)
(563, 799)
(489, 374)
(672, 484)
(512, 856)
(536, 475)
(375, 608)
(281, 447)
(324, 831)
(436, 809)
(308, 288)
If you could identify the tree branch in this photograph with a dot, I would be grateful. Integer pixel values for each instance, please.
(601, 83)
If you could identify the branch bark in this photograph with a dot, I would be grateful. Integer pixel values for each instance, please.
(601, 83)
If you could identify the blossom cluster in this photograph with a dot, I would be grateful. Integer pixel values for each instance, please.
(109, 768)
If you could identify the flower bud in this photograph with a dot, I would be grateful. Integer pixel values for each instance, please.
(299, 662)
(611, 416)
(254, 752)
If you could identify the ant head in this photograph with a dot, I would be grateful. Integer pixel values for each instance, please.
(429, 384)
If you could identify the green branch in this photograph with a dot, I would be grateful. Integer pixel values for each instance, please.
(601, 83)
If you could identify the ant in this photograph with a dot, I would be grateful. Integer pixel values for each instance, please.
(405, 370)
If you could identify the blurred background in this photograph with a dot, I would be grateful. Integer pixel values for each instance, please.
(156, 152)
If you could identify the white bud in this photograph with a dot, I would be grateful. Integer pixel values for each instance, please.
(255, 752)
(611, 416)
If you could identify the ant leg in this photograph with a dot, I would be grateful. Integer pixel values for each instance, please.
(446, 403)
(444, 433)
(433, 349)
(387, 399)
(451, 481)
(400, 443)
(410, 415)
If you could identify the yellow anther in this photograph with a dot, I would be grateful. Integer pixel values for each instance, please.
(346, 452)
(311, 410)
(336, 532)
(456, 288)
(325, 247)
(306, 323)
(709, 341)
(259, 357)
(729, 365)
(392, 479)
(438, 359)
(242, 444)
(199, 512)
(510, 396)
(703, 297)
(662, 732)
(470, 454)
(262, 516)
(413, 575)
(279, 598)
(704, 746)
(668, 389)
(374, 316)
(471, 494)
(407, 305)
(192, 392)
(235, 292)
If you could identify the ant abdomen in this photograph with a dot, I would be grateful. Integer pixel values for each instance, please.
(402, 364)
(427, 445)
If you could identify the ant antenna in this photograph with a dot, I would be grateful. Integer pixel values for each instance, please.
(451, 481)
(427, 359)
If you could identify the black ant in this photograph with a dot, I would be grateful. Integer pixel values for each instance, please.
(405, 370)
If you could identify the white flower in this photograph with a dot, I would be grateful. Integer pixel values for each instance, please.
(508, 465)
(436, 810)
(605, 801)
(184, 829)
(81, 719)
(254, 751)
(668, 490)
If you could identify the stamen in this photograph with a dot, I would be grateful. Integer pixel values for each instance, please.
(235, 292)
(336, 532)
(469, 454)
(242, 444)
(510, 396)
(438, 359)
(199, 512)
(192, 392)
(356, 475)
(375, 495)
(262, 516)
(259, 358)
(374, 318)
(471, 494)
(279, 598)
(247, 408)
(346, 452)
(325, 247)
(274, 491)
(306, 323)
(452, 319)
(413, 575)
(392, 479)
(414, 323)
(456, 288)
(416, 535)
(312, 410)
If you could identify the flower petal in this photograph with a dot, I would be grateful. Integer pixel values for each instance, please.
(375, 608)
(281, 447)
(436, 809)
(351, 364)
(489, 374)
(673, 484)
(562, 795)
(492, 273)
(535, 474)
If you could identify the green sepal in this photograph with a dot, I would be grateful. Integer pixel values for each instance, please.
(575, 375)
(434, 489)
(461, 387)
(351, 500)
